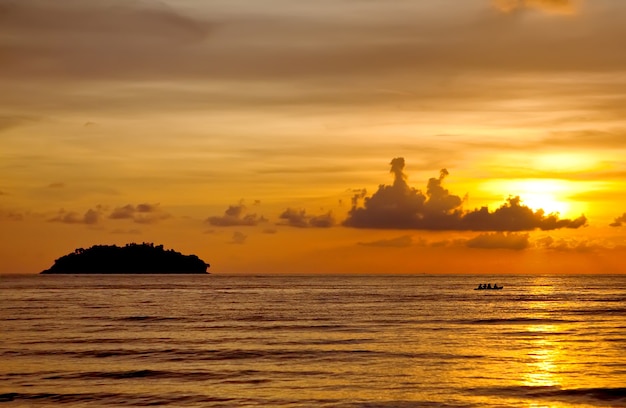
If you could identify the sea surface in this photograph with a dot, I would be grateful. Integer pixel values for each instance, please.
(312, 341)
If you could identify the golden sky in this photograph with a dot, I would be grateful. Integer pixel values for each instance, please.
(343, 136)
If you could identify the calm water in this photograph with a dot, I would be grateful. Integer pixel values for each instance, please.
(331, 341)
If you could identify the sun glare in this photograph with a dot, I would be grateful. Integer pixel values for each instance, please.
(549, 195)
(565, 162)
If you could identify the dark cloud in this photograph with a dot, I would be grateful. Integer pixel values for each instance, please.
(514, 216)
(618, 221)
(122, 213)
(239, 238)
(56, 185)
(90, 217)
(400, 206)
(322, 221)
(235, 216)
(568, 245)
(399, 242)
(300, 219)
(499, 240)
(141, 213)
(11, 215)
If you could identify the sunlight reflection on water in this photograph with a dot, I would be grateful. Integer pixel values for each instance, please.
(345, 342)
(542, 367)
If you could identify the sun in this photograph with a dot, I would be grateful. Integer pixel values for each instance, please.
(549, 195)
(546, 202)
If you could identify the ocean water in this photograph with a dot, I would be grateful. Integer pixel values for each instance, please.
(312, 341)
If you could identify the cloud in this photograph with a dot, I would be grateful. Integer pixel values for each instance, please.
(551, 6)
(568, 245)
(410, 55)
(121, 213)
(400, 206)
(300, 219)
(147, 40)
(239, 238)
(235, 216)
(11, 215)
(141, 213)
(90, 217)
(56, 185)
(499, 240)
(618, 221)
(8, 122)
(514, 216)
(126, 231)
(399, 242)
(85, 38)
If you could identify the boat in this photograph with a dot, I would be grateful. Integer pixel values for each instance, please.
(494, 287)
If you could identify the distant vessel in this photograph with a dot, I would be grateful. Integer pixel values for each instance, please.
(133, 258)
(494, 287)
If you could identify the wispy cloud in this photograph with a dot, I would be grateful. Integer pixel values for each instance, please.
(499, 240)
(399, 242)
(87, 39)
(553, 6)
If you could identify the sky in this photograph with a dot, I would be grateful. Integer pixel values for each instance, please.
(334, 136)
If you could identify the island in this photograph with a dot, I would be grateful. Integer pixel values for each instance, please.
(145, 258)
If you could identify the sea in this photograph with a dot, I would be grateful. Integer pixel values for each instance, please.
(312, 341)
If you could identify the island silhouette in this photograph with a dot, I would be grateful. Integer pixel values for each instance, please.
(145, 258)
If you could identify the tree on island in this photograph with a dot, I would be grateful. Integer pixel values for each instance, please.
(145, 258)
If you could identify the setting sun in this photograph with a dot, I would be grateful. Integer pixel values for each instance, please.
(549, 195)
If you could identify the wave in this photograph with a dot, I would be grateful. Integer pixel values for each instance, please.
(515, 320)
(619, 311)
(148, 319)
(241, 376)
(134, 400)
(112, 399)
(591, 395)
(601, 394)
(299, 355)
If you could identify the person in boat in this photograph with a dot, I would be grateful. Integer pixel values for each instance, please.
(489, 286)
(480, 286)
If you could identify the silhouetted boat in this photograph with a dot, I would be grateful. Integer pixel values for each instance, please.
(491, 288)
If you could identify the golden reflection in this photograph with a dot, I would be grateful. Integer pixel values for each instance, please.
(543, 353)
(543, 356)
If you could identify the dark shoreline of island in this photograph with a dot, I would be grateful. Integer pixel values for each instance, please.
(138, 259)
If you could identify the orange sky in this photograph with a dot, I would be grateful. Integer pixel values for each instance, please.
(260, 135)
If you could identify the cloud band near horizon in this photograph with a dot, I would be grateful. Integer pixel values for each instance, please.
(400, 206)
